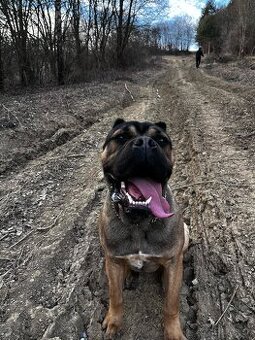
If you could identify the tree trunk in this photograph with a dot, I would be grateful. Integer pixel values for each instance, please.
(209, 48)
(123, 30)
(1, 67)
(119, 49)
(76, 25)
(26, 73)
(59, 43)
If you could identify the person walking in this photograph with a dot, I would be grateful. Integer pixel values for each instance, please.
(199, 54)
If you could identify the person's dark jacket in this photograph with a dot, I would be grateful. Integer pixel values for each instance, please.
(199, 54)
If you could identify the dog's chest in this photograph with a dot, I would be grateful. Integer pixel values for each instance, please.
(140, 244)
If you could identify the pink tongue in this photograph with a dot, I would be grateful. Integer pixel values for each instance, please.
(147, 188)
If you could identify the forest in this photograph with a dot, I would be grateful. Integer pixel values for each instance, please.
(229, 30)
(67, 41)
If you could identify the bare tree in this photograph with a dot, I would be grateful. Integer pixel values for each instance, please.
(124, 17)
(245, 23)
(188, 31)
(177, 33)
(62, 40)
(59, 42)
(44, 23)
(1, 64)
(103, 14)
(76, 15)
(1, 56)
(17, 14)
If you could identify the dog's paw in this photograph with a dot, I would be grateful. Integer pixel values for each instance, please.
(174, 337)
(173, 329)
(112, 324)
(174, 333)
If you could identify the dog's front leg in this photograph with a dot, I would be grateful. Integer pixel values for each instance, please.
(172, 282)
(116, 273)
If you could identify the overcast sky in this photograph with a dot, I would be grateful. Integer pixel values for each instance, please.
(190, 7)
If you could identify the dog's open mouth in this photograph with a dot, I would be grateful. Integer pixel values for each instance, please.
(145, 194)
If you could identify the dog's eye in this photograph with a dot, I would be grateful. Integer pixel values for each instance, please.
(162, 141)
(121, 138)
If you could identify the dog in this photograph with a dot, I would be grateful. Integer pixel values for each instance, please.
(140, 225)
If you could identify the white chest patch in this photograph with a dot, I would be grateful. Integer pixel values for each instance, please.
(138, 260)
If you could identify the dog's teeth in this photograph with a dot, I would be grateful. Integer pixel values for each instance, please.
(116, 197)
(142, 203)
(148, 200)
(123, 185)
(129, 197)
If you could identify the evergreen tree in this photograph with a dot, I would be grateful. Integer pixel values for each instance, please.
(208, 32)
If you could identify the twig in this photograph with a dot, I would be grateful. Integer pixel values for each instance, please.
(6, 108)
(37, 229)
(11, 113)
(5, 259)
(246, 135)
(51, 225)
(78, 155)
(3, 237)
(158, 95)
(132, 97)
(231, 299)
(6, 273)
(2, 283)
(191, 184)
(16, 265)
(17, 262)
(22, 239)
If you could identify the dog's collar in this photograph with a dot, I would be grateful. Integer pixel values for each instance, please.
(115, 206)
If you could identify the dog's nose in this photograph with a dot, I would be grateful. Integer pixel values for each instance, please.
(138, 142)
(144, 142)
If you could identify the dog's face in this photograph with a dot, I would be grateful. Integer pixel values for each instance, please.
(137, 162)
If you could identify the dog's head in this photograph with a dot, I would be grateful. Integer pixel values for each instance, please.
(137, 161)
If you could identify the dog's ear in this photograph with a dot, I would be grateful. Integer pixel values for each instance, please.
(162, 125)
(118, 121)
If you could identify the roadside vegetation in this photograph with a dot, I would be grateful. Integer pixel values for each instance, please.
(229, 30)
(60, 42)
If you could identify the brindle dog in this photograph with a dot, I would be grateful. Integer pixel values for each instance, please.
(141, 227)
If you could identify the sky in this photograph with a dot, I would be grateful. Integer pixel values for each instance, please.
(190, 7)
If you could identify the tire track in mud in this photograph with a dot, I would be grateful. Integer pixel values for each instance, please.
(51, 261)
(221, 208)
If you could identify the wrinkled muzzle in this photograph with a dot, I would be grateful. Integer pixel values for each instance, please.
(140, 172)
(142, 157)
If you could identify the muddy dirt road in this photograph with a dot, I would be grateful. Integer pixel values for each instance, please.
(52, 282)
